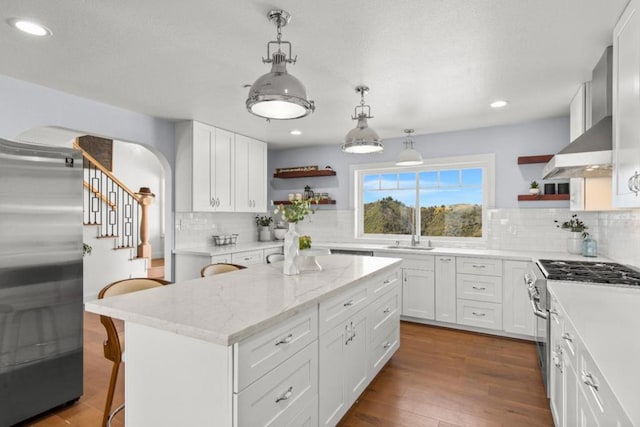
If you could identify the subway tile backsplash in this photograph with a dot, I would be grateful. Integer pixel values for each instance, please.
(617, 232)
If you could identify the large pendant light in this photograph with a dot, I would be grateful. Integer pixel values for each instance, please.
(362, 139)
(409, 156)
(277, 94)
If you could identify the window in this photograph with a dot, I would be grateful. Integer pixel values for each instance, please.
(446, 198)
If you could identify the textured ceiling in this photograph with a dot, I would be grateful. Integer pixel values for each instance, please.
(433, 65)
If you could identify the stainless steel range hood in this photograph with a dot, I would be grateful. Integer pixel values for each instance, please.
(590, 155)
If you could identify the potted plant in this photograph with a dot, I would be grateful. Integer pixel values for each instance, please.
(578, 231)
(534, 187)
(263, 223)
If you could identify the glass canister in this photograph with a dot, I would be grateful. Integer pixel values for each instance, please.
(589, 247)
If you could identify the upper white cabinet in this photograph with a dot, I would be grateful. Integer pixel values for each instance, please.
(626, 108)
(203, 168)
(219, 171)
(250, 175)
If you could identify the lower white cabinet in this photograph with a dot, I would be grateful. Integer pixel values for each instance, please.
(277, 398)
(445, 287)
(248, 257)
(517, 316)
(479, 314)
(418, 293)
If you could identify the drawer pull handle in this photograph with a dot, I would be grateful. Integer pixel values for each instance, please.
(445, 259)
(285, 340)
(386, 345)
(478, 314)
(387, 310)
(588, 379)
(567, 337)
(348, 303)
(386, 282)
(479, 288)
(479, 266)
(286, 395)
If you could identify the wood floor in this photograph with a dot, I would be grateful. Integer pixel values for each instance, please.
(438, 378)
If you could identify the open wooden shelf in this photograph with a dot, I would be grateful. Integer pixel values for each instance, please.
(536, 197)
(320, 202)
(304, 174)
(524, 160)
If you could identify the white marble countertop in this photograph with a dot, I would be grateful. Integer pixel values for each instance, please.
(473, 252)
(227, 308)
(227, 249)
(607, 318)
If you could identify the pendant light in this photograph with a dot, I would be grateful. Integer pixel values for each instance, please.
(277, 94)
(409, 156)
(362, 139)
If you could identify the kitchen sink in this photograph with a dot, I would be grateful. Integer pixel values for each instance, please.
(417, 248)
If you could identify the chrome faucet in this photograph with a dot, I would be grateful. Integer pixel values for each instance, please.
(414, 241)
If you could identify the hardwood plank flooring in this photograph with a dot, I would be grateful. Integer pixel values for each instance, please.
(443, 378)
(439, 378)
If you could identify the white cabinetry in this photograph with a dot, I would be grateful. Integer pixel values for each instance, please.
(479, 292)
(250, 175)
(418, 287)
(203, 168)
(445, 284)
(626, 107)
(517, 316)
(579, 393)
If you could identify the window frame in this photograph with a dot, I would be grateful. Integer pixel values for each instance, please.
(486, 162)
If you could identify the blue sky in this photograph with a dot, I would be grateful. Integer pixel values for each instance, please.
(455, 186)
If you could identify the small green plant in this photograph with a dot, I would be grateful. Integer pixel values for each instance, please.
(574, 224)
(297, 210)
(86, 249)
(534, 184)
(305, 242)
(263, 221)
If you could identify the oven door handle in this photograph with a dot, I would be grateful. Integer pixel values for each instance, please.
(534, 297)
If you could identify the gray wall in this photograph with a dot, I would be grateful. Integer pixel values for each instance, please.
(507, 142)
(24, 106)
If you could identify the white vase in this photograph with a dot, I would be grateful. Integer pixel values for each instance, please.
(265, 234)
(291, 250)
(574, 242)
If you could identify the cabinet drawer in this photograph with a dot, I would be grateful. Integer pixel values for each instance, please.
(482, 266)
(477, 313)
(277, 398)
(383, 283)
(479, 288)
(262, 352)
(600, 397)
(247, 258)
(384, 347)
(385, 310)
(337, 309)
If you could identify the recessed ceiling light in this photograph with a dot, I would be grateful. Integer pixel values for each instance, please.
(498, 104)
(30, 27)
(296, 132)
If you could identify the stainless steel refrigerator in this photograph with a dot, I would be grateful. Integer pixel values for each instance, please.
(40, 279)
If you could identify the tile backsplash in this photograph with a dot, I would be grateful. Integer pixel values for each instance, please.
(617, 232)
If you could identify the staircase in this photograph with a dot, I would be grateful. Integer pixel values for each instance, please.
(112, 217)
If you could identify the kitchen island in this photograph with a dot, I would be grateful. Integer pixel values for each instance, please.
(256, 347)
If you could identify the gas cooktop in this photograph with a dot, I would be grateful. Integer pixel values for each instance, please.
(594, 272)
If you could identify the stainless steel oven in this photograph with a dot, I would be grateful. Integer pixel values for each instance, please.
(539, 298)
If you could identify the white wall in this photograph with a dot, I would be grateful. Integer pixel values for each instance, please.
(137, 167)
(507, 142)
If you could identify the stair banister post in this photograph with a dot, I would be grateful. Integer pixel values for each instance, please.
(145, 197)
